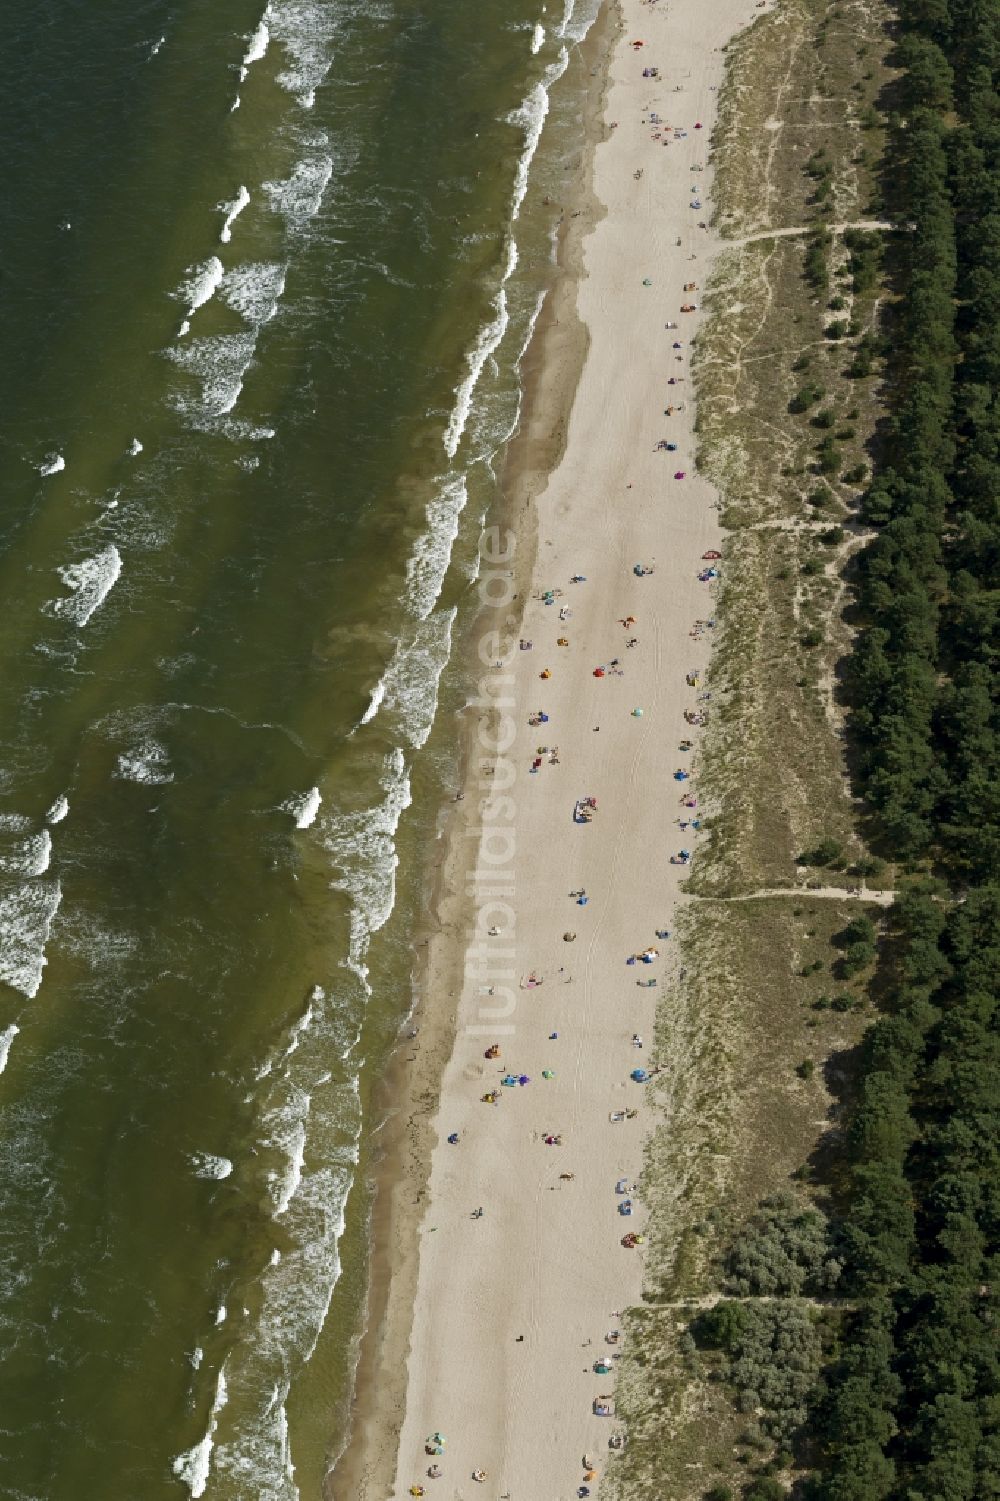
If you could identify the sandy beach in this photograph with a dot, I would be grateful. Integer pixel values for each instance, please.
(594, 692)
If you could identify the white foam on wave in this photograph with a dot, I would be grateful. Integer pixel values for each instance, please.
(488, 340)
(363, 853)
(51, 464)
(296, 1288)
(569, 6)
(208, 1165)
(219, 362)
(59, 809)
(375, 702)
(578, 17)
(303, 807)
(299, 1028)
(537, 38)
(531, 116)
(410, 682)
(28, 857)
(26, 916)
(428, 563)
(199, 286)
(6, 1041)
(146, 763)
(305, 31)
(298, 197)
(296, 1032)
(91, 581)
(232, 210)
(254, 290)
(134, 448)
(193, 1467)
(257, 45)
(286, 1133)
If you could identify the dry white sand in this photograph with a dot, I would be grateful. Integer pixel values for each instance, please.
(545, 1261)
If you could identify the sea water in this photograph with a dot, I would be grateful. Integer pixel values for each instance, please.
(298, 247)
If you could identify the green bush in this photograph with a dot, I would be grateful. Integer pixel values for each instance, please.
(806, 397)
(765, 1488)
(775, 1361)
(720, 1328)
(825, 853)
(785, 1249)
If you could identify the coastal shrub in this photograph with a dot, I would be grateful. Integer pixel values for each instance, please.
(765, 1488)
(718, 1493)
(720, 1328)
(776, 1357)
(826, 418)
(855, 959)
(824, 853)
(837, 329)
(828, 457)
(816, 260)
(806, 1068)
(858, 944)
(806, 396)
(833, 536)
(864, 259)
(785, 1249)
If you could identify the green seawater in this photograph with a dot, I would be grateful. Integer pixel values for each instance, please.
(259, 358)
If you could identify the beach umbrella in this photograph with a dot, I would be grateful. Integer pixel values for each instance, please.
(636, 713)
(547, 1073)
(646, 281)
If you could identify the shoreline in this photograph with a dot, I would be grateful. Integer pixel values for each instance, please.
(427, 1320)
(408, 1095)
